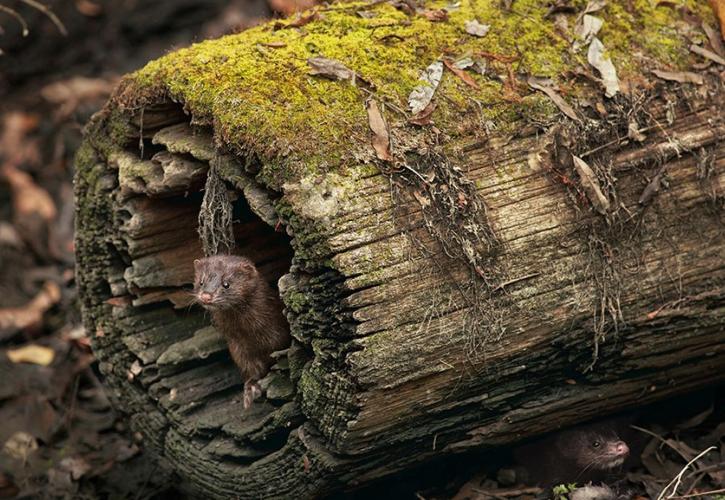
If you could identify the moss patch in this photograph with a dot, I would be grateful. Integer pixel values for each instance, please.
(260, 96)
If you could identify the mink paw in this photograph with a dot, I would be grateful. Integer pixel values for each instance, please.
(252, 391)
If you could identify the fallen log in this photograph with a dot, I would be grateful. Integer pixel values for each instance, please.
(486, 270)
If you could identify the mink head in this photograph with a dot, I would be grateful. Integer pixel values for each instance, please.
(594, 450)
(224, 281)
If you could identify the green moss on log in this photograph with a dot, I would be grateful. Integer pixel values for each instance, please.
(256, 89)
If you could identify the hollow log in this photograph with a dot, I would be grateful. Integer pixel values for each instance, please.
(489, 269)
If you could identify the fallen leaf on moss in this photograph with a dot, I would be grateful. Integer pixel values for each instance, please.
(330, 68)
(424, 117)
(545, 85)
(510, 84)
(708, 54)
(473, 27)
(715, 39)
(334, 70)
(606, 69)
(381, 138)
(20, 318)
(586, 30)
(297, 23)
(422, 94)
(460, 73)
(33, 354)
(274, 45)
(591, 185)
(436, 16)
(679, 76)
(497, 57)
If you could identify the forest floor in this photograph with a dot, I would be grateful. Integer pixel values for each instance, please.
(60, 437)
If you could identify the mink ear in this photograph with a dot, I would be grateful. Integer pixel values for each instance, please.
(197, 262)
(245, 266)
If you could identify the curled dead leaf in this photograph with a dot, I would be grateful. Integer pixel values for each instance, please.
(298, 22)
(436, 15)
(473, 27)
(460, 73)
(381, 138)
(424, 117)
(591, 185)
(20, 318)
(708, 54)
(545, 85)
(333, 69)
(28, 198)
(606, 69)
(679, 76)
(421, 95)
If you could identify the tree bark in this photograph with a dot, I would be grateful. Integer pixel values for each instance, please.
(402, 353)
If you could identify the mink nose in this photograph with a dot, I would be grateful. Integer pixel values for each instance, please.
(205, 297)
(621, 448)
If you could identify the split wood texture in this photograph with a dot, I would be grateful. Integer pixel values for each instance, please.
(400, 353)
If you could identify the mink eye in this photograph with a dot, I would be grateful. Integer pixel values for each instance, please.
(596, 444)
(225, 284)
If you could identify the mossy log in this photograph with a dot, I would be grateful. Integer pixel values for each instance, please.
(500, 272)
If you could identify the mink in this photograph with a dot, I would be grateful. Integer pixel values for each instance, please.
(246, 310)
(579, 455)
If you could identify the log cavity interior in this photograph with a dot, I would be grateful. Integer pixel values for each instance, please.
(179, 359)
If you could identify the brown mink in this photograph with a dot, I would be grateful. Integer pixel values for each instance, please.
(246, 310)
(582, 454)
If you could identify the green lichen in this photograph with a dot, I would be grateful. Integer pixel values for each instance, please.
(260, 97)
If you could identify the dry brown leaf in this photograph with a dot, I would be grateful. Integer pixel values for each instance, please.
(545, 85)
(88, 8)
(510, 90)
(32, 353)
(591, 185)
(288, 7)
(381, 138)
(718, 6)
(708, 54)
(497, 57)
(28, 198)
(68, 94)
(20, 318)
(679, 76)
(330, 68)
(422, 199)
(299, 22)
(715, 39)
(424, 117)
(16, 147)
(274, 45)
(460, 73)
(436, 16)
(473, 27)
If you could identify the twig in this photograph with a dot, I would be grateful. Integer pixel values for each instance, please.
(704, 493)
(20, 19)
(678, 478)
(515, 280)
(49, 13)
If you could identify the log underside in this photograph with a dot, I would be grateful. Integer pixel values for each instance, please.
(399, 354)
